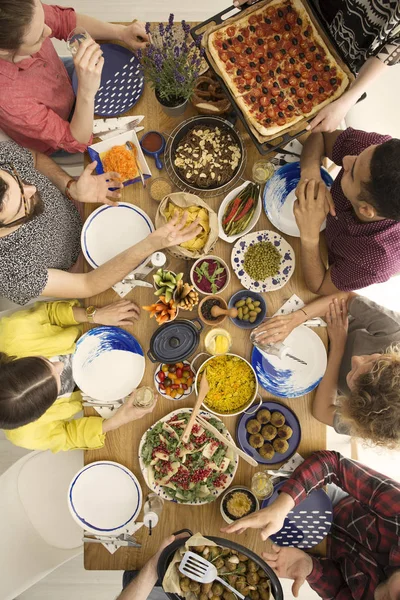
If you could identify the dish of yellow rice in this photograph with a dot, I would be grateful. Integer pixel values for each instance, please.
(231, 381)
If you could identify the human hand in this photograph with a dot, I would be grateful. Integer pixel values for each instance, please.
(269, 520)
(128, 413)
(337, 323)
(290, 563)
(119, 313)
(276, 329)
(89, 63)
(330, 117)
(310, 209)
(135, 36)
(174, 232)
(91, 188)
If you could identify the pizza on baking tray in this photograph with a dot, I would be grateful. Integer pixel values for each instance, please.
(276, 65)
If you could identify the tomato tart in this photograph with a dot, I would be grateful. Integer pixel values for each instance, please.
(277, 65)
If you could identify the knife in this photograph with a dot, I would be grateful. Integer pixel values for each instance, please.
(111, 541)
(131, 148)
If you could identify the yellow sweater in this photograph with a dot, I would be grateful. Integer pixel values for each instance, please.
(49, 329)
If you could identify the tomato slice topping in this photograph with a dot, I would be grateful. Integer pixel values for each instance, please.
(264, 101)
(224, 56)
(231, 31)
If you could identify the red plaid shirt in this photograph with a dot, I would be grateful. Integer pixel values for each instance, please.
(36, 95)
(364, 542)
(360, 254)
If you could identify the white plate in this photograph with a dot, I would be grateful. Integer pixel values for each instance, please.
(108, 363)
(279, 197)
(104, 497)
(157, 488)
(110, 230)
(286, 268)
(225, 202)
(287, 378)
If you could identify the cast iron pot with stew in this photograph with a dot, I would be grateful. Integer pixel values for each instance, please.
(169, 552)
(179, 133)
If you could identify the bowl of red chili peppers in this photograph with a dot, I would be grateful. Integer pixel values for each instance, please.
(239, 211)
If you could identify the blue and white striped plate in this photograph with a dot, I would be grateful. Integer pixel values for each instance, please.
(108, 363)
(287, 378)
(307, 524)
(105, 497)
(279, 197)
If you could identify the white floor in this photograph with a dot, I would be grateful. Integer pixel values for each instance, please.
(71, 581)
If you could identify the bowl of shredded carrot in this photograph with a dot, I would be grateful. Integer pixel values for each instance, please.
(121, 160)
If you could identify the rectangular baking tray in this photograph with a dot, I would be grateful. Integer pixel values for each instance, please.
(277, 143)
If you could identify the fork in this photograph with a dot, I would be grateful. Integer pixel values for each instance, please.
(199, 569)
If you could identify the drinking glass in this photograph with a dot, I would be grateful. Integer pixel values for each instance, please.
(261, 485)
(262, 171)
(144, 397)
(75, 39)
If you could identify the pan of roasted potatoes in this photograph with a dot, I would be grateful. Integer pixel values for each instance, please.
(238, 566)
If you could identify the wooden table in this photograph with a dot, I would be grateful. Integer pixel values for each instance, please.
(122, 445)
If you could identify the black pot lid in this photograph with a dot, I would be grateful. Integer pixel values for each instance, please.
(173, 342)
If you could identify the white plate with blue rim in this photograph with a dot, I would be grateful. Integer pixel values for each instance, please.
(108, 363)
(288, 378)
(279, 197)
(286, 267)
(109, 230)
(105, 497)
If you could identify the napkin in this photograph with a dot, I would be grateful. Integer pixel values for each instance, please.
(292, 464)
(282, 158)
(295, 303)
(112, 546)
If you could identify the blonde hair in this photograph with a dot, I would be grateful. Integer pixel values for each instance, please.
(372, 409)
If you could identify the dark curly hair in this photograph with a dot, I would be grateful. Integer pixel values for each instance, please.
(27, 389)
(372, 409)
(383, 189)
(15, 18)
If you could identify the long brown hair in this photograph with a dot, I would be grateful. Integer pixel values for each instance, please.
(15, 18)
(27, 389)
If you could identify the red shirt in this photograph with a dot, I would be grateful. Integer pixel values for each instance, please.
(360, 254)
(36, 95)
(364, 542)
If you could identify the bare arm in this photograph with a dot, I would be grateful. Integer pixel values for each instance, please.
(83, 285)
(134, 35)
(99, 30)
(330, 117)
(311, 156)
(324, 406)
(141, 587)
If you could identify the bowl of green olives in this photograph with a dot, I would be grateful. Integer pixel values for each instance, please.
(251, 308)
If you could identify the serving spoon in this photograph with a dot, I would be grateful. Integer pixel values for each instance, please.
(203, 391)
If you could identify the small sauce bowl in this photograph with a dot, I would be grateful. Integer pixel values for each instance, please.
(153, 144)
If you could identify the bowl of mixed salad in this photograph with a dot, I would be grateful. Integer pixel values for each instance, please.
(193, 473)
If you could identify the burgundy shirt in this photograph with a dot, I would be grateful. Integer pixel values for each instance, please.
(36, 95)
(360, 254)
(364, 542)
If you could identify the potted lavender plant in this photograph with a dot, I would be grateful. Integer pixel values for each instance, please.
(171, 64)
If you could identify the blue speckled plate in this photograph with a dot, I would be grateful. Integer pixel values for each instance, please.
(279, 197)
(307, 524)
(287, 378)
(286, 268)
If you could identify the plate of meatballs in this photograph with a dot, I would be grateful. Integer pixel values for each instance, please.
(271, 435)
